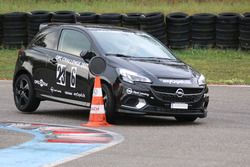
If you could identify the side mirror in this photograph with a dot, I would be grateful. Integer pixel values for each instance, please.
(87, 55)
(97, 65)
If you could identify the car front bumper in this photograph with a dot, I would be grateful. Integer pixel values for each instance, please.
(143, 99)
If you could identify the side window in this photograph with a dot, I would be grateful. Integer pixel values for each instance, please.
(73, 42)
(48, 40)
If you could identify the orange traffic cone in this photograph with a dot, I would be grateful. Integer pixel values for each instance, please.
(97, 115)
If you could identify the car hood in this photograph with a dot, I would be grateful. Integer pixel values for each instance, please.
(156, 68)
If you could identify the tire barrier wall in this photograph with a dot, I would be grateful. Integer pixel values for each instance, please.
(34, 19)
(203, 30)
(244, 28)
(114, 19)
(64, 17)
(1, 28)
(153, 23)
(86, 17)
(227, 30)
(14, 30)
(176, 30)
(131, 20)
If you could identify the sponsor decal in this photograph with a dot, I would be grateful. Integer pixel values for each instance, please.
(131, 91)
(176, 81)
(73, 77)
(41, 83)
(76, 94)
(68, 93)
(61, 74)
(53, 90)
(80, 64)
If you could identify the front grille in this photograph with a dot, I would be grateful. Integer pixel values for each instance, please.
(168, 94)
(174, 89)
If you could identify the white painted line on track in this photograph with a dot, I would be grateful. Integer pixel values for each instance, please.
(233, 86)
(56, 152)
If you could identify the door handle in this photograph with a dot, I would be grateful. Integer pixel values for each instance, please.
(53, 61)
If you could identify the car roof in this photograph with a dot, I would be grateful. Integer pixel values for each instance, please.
(89, 27)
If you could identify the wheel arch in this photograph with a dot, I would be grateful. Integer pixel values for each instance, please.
(23, 71)
(103, 81)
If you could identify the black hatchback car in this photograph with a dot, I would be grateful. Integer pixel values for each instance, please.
(142, 75)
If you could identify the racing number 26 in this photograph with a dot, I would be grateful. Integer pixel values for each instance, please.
(61, 75)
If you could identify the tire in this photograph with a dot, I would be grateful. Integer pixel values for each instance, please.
(178, 17)
(24, 94)
(15, 16)
(244, 43)
(110, 19)
(64, 17)
(228, 18)
(185, 118)
(245, 19)
(39, 15)
(178, 44)
(178, 30)
(203, 18)
(244, 38)
(151, 18)
(110, 16)
(132, 18)
(86, 17)
(109, 104)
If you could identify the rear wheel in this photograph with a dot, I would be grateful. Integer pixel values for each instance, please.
(109, 104)
(186, 118)
(24, 95)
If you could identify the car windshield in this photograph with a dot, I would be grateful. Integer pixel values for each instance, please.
(131, 44)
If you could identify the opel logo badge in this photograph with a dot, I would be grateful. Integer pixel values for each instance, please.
(179, 92)
(129, 91)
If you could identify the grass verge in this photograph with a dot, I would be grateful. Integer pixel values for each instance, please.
(124, 6)
(219, 66)
(7, 63)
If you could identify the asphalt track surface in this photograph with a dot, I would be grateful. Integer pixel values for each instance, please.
(222, 139)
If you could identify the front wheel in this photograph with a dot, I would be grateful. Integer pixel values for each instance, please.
(109, 104)
(186, 118)
(24, 95)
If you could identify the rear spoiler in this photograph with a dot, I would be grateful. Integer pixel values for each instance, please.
(43, 25)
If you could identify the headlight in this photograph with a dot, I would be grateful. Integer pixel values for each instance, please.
(131, 77)
(201, 80)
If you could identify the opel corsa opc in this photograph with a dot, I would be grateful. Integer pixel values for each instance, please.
(142, 76)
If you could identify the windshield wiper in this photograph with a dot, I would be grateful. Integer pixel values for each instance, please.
(119, 55)
(156, 58)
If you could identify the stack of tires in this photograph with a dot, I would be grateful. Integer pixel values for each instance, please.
(227, 31)
(1, 29)
(14, 30)
(244, 38)
(110, 19)
(131, 20)
(86, 17)
(178, 30)
(203, 30)
(35, 18)
(153, 23)
(64, 17)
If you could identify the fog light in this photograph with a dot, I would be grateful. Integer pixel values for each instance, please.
(141, 103)
(135, 103)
